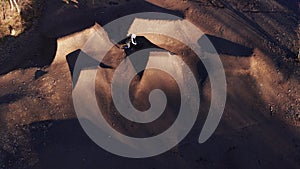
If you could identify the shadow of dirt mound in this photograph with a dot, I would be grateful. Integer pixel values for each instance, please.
(131, 7)
(225, 47)
(290, 4)
(69, 147)
(87, 63)
(71, 59)
(17, 55)
(9, 98)
(60, 19)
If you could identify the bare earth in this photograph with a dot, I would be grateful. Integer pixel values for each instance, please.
(258, 42)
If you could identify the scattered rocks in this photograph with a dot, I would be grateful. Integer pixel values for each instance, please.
(273, 110)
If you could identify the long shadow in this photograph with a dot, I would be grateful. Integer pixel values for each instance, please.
(9, 98)
(64, 144)
(106, 15)
(86, 63)
(60, 19)
(290, 4)
(6, 158)
(17, 54)
(224, 47)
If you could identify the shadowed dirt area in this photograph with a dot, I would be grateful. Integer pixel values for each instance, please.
(258, 43)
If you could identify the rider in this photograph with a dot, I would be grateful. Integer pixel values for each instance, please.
(130, 41)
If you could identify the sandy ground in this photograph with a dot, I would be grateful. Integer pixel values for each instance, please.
(257, 42)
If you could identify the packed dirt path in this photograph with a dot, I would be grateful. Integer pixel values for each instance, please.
(257, 44)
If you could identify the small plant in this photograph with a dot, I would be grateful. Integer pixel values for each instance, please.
(13, 4)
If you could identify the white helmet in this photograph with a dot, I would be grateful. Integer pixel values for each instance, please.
(133, 40)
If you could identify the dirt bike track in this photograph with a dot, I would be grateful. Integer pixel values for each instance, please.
(260, 124)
